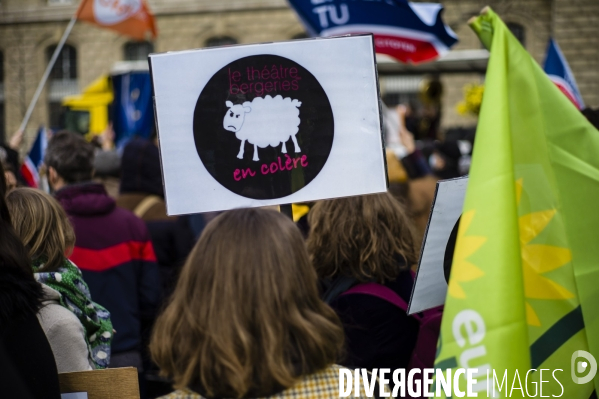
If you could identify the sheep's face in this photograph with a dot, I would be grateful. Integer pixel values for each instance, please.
(235, 116)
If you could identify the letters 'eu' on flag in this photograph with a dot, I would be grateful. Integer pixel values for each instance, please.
(522, 294)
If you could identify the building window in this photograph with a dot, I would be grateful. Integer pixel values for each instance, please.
(137, 51)
(518, 31)
(396, 89)
(220, 41)
(62, 82)
(2, 120)
(302, 35)
(65, 67)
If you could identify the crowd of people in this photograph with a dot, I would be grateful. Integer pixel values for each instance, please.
(243, 303)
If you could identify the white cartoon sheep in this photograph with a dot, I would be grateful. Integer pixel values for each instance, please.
(263, 122)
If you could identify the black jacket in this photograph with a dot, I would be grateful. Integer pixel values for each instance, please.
(377, 333)
(27, 366)
(172, 238)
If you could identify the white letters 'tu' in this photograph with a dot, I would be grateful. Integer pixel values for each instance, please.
(344, 14)
(333, 14)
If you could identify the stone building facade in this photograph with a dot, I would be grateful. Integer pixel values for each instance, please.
(29, 29)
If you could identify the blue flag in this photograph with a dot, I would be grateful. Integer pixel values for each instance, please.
(35, 158)
(133, 112)
(558, 70)
(408, 32)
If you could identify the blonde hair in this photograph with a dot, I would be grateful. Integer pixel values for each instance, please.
(245, 316)
(42, 225)
(368, 237)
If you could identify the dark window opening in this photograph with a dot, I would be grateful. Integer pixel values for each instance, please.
(138, 51)
(220, 41)
(2, 123)
(75, 121)
(518, 31)
(65, 67)
(302, 35)
(1, 67)
(2, 117)
(56, 113)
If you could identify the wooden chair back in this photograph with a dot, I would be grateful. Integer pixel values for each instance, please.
(118, 383)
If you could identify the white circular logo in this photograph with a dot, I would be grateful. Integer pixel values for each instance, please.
(579, 366)
(110, 12)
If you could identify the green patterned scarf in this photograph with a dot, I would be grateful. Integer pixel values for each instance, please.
(75, 296)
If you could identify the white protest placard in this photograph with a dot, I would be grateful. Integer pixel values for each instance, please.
(430, 286)
(268, 124)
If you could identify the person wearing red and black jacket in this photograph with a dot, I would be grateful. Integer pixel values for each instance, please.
(112, 248)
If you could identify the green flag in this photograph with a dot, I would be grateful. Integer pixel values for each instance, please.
(524, 287)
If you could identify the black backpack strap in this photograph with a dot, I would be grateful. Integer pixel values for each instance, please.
(337, 287)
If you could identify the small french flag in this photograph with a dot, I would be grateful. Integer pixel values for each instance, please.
(558, 70)
(35, 158)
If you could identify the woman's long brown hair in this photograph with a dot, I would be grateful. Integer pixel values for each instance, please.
(15, 269)
(367, 237)
(12, 251)
(43, 226)
(245, 315)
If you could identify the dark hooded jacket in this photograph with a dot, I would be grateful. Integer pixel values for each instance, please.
(27, 366)
(377, 333)
(115, 255)
(141, 179)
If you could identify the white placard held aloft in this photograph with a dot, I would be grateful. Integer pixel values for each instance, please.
(430, 286)
(267, 124)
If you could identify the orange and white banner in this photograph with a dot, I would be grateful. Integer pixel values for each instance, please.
(128, 17)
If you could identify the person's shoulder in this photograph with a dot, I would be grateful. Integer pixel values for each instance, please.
(321, 384)
(125, 213)
(360, 303)
(402, 285)
(128, 200)
(158, 212)
(329, 375)
(181, 394)
(129, 218)
(55, 317)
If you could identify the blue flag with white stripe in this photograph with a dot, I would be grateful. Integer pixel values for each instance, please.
(35, 158)
(408, 32)
(558, 70)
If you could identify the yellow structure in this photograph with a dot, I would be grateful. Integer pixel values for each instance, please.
(90, 108)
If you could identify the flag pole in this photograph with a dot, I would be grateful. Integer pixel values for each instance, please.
(42, 82)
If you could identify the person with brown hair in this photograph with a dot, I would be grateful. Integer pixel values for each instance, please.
(245, 319)
(112, 247)
(79, 330)
(367, 239)
(27, 366)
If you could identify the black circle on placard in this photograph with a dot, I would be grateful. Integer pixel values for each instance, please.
(450, 249)
(281, 97)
